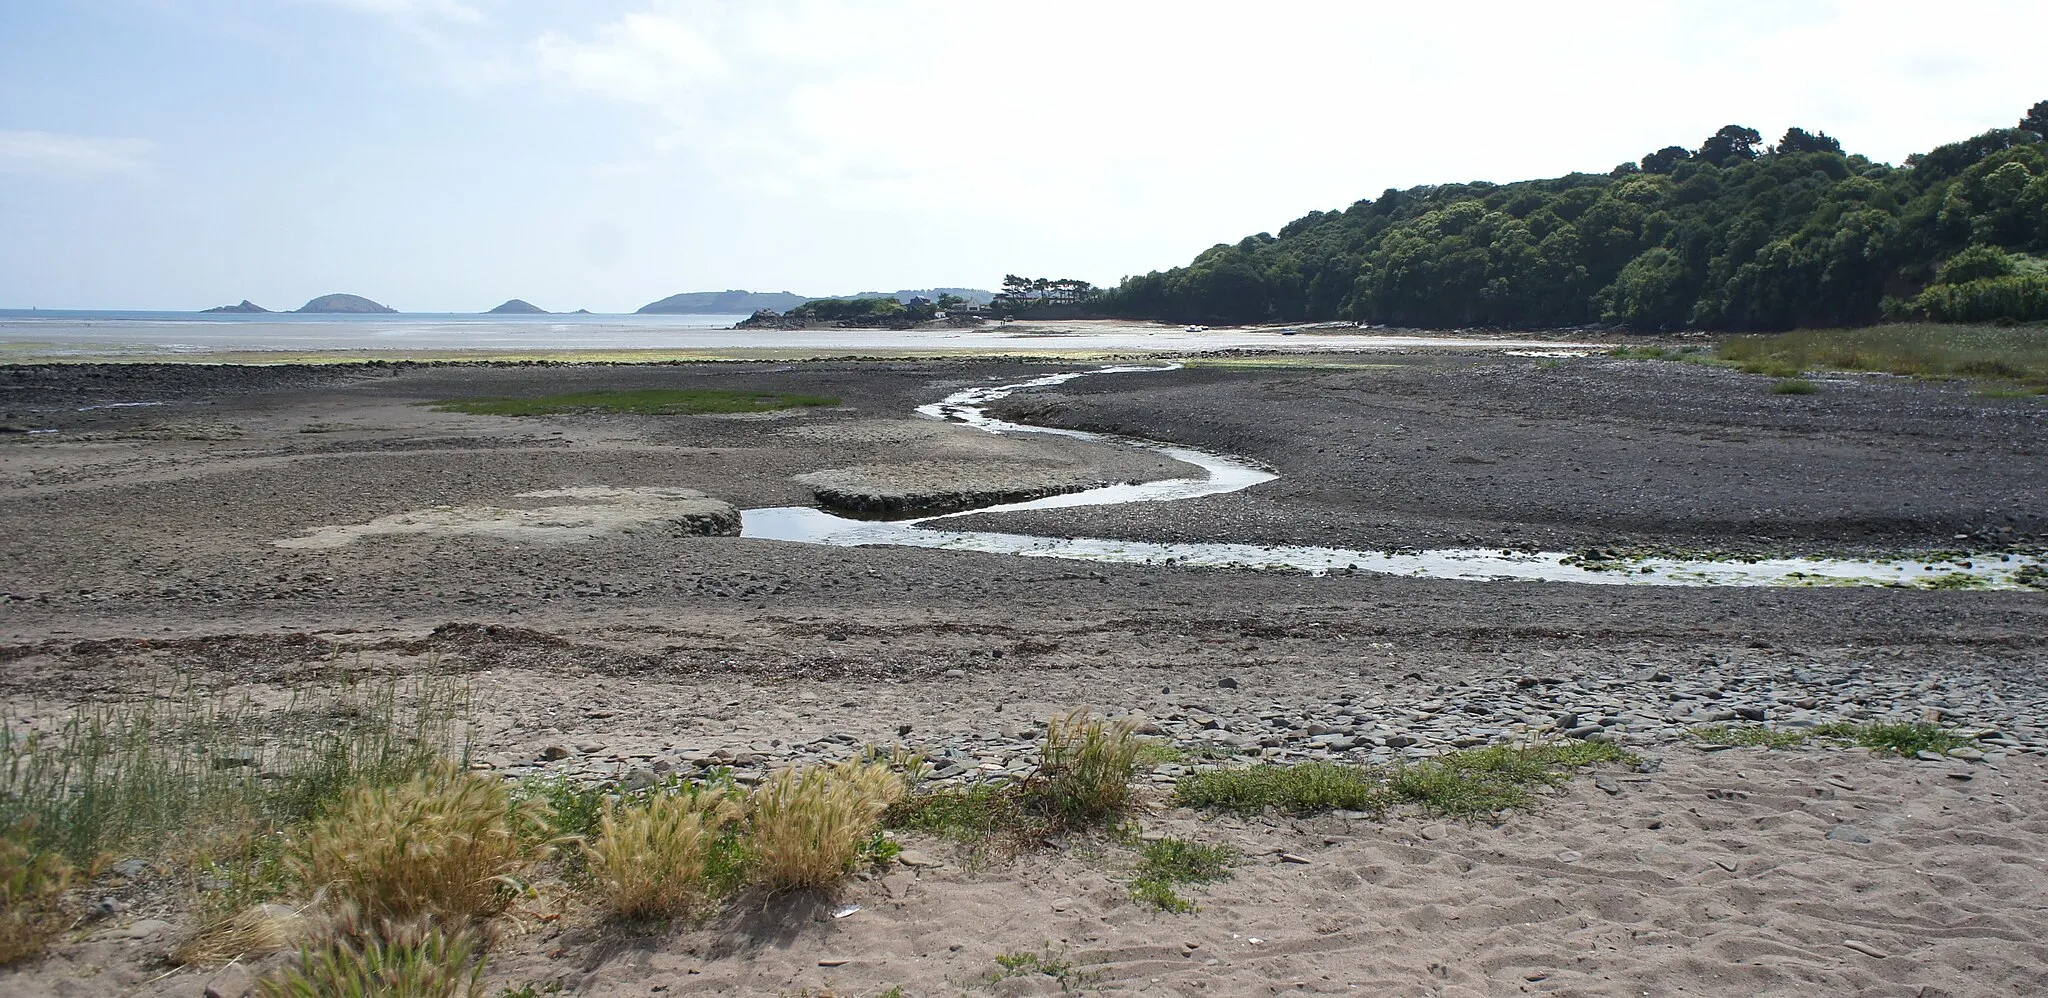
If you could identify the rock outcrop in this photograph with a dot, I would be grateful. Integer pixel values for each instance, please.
(245, 306)
(345, 304)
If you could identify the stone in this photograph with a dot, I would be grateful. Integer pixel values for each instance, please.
(897, 884)
(1608, 784)
(1866, 949)
(230, 982)
(554, 753)
(144, 929)
(1288, 857)
(1751, 713)
(918, 860)
(1227, 683)
(1570, 856)
(1848, 833)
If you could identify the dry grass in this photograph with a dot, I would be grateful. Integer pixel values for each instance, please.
(655, 859)
(30, 881)
(412, 961)
(1085, 769)
(256, 930)
(447, 844)
(808, 825)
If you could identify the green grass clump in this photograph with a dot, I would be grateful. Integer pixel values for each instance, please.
(1168, 862)
(644, 402)
(1794, 386)
(1301, 789)
(1085, 769)
(1922, 350)
(1897, 737)
(974, 814)
(1473, 784)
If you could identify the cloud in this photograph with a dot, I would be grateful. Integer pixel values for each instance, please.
(60, 155)
(641, 58)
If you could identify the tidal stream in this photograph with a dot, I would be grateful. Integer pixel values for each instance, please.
(1226, 473)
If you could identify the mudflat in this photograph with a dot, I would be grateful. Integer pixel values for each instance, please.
(249, 527)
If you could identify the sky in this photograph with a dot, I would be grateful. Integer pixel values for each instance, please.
(445, 155)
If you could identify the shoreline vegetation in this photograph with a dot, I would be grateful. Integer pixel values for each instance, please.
(1734, 236)
(340, 837)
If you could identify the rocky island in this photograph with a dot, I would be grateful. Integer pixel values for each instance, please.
(244, 306)
(345, 304)
(518, 306)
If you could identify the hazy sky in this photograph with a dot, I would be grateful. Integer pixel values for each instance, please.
(449, 154)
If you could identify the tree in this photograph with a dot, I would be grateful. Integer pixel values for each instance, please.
(1666, 159)
(1799, 140)
(1732, 144)
(2036, 120)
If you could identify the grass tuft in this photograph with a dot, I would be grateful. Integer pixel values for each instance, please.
(667, 856)
(410, 962)
(1794, 386)
(1166, 863)
(1085, 769)
(448, 844)
(809, 826)
(646, 402)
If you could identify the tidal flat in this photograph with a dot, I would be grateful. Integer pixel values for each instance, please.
(579, 575)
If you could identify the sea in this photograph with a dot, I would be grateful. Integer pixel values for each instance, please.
(60, 331)
(51, 334)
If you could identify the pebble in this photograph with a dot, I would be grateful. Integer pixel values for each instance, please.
(1866, 949)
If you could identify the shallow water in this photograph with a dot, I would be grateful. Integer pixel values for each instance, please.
(1225, 473)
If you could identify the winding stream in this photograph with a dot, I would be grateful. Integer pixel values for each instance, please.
(1226, 473)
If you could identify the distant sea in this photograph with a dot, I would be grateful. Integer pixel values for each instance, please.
(104, 332)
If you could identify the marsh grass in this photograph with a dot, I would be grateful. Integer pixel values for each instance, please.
(1921, 350)
(1166, 863)
(1896, 737)
(1476, 784)
(1794, 386)
(645, 402)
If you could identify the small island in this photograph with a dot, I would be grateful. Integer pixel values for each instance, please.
(518, 306)
(245, 306)
(345, 304)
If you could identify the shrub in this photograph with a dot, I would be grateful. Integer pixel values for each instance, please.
(660, 858)
(809, 825)
(30, 881)
(446, 844)
(411, 962)
(1085, 769)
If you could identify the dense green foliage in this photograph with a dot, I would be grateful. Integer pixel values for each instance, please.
(1726, 236)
